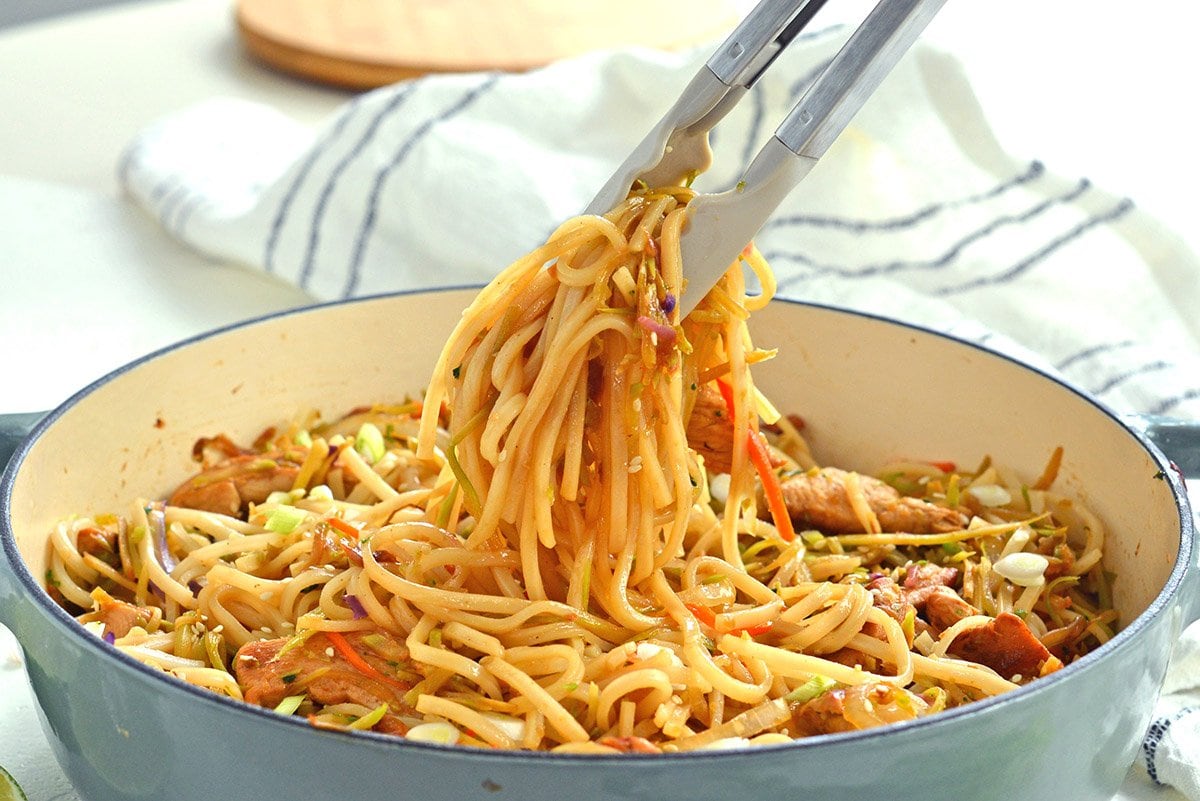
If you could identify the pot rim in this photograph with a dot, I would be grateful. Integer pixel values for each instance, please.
(1123, 639)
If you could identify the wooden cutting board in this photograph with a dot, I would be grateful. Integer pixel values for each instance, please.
(367, 43)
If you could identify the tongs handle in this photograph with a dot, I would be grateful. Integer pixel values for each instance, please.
(720, 225)
(759, 39)
(678, 144)
(854, 74)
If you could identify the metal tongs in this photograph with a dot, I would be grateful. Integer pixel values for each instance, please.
(676, 149)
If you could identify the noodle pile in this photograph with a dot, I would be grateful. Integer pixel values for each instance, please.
(534, 555)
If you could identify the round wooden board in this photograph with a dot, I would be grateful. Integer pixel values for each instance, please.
(367, 43)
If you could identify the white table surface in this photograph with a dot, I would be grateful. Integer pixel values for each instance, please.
(1094, 88)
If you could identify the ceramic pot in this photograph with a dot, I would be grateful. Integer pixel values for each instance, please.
(870, 389)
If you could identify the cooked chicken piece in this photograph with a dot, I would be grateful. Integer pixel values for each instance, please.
(943, 607)
(923, 580)
(99, 542)
(267, 673)
(888, 596)
(852, 658)
(230, 486)
(819, 500)
(825, 714)
(1061, 559)
(862, 706)
(710, 431)
(119, 617)
(919, 575)
(1062, 641)
(1006, 645)
(937, 604)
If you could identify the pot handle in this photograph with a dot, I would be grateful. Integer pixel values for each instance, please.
(13, 429)
(1178, 439)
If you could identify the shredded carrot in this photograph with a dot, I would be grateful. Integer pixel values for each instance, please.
(727, 395)
(706, 616)
(771, 486)
(343, 526)
(358, 663)
(703, 614)
(760, 456)
(945, 467)
(1051, 472)
(754, 631)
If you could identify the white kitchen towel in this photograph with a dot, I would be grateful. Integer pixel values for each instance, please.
(917, 213)
(1172, 746)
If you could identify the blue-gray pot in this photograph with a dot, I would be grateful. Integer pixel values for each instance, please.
(869, 389)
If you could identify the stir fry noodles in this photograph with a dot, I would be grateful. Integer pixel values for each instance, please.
(591, 532)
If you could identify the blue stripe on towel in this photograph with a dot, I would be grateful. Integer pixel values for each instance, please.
(367, 228)
(950, 255)
(1128, 375)
(797, 89)
(169, 201)
(1034, 171)
(196, 202)
(1154, 737)
(126, 162)
(757, 113)
(1023, 266)
(305, 168)
(1167, 404)
(1093, 350)
(168, 184)
(331, 182)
